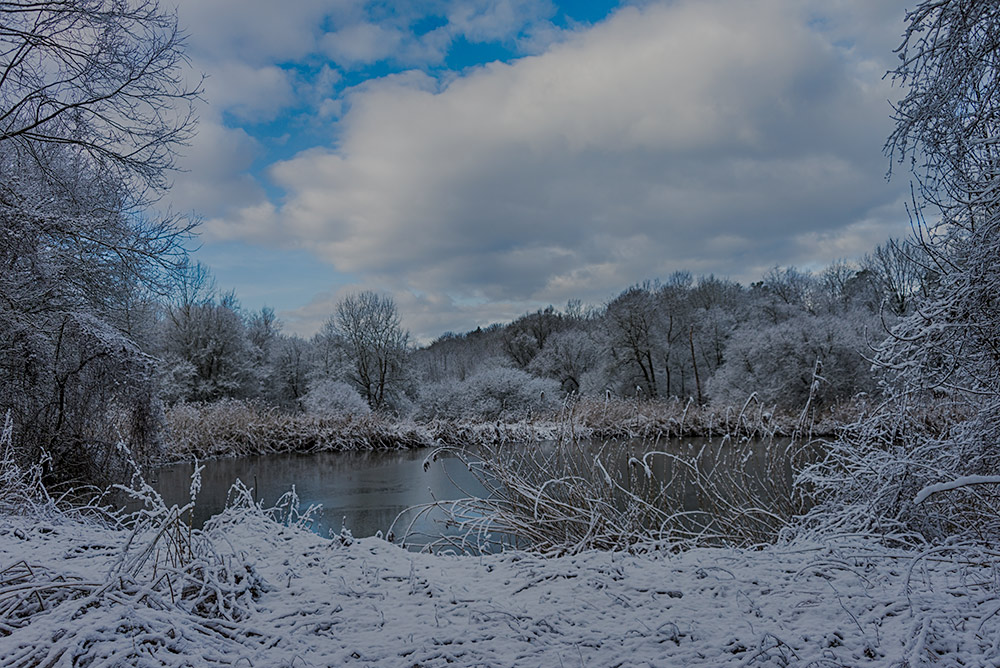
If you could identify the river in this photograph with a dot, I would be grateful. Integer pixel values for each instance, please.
(362, 491)
(365, 492)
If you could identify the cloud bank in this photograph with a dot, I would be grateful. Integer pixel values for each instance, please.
(717, 137)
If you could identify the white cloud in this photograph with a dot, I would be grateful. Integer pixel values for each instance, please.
(496, 20)
(215, 171)
(256, 32)
(720, 137)
(362, 44)
(251, 94)
(675, 136)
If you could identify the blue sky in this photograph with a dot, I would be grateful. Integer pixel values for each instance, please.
(481, 159)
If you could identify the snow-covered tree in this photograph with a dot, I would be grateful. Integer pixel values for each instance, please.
(93, 105)
(942, 360)
(367, 327)
(209, 335)
(526, 336)
(948, 130)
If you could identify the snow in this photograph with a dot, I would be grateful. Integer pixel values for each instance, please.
(957, 483)
(306, 600)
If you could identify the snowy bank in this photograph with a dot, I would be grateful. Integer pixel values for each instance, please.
(255, 592)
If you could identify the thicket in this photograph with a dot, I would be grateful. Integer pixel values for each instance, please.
(92, 107)
(925, 461)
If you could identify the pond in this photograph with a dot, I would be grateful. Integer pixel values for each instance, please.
(365, 492)
(362, 491)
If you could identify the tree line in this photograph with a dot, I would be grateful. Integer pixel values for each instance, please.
(789, 338)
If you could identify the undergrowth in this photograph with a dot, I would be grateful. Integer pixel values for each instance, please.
(233, 428)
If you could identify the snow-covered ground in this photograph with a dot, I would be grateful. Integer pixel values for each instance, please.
(253, 592)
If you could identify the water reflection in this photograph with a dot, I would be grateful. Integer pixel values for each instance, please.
(364, 491)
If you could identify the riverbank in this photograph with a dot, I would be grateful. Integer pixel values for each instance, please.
(233, 428)
(253, 591)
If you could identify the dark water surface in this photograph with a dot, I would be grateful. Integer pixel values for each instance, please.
(364, 491)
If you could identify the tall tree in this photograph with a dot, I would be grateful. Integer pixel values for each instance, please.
(92, 107)
(376, 344)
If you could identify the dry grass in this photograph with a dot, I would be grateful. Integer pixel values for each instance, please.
(162, 573)
(571, 495)
(672, 418)
(238, 428)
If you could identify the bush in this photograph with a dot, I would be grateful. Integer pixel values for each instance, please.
(331, 397)
(802, 358)
(491, 394)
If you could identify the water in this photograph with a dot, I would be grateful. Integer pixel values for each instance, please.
(366, 491)
(362, 491)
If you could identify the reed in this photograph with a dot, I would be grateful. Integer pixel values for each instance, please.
(233, 428)
(571, 495)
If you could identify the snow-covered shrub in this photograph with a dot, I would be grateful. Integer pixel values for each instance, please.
(490, 394)
(926, 460)
(786, 364)
(330, 397)
(512, 392)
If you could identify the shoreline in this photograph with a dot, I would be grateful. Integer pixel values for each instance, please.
(238, 428)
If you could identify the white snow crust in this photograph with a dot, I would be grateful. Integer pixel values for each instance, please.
(366, 602)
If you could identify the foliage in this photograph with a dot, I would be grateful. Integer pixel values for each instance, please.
(566, 357)
(205, 340)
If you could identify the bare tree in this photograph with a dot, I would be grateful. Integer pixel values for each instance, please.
(633, 323)
(897, 273)
(93, 105)
(376, 344)
(102, 76)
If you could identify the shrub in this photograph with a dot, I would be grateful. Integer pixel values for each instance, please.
(491, 394)
(330, 397)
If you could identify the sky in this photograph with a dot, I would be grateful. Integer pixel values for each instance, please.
(481, 159)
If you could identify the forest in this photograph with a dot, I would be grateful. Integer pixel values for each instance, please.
(118, 352)
(791, 341)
